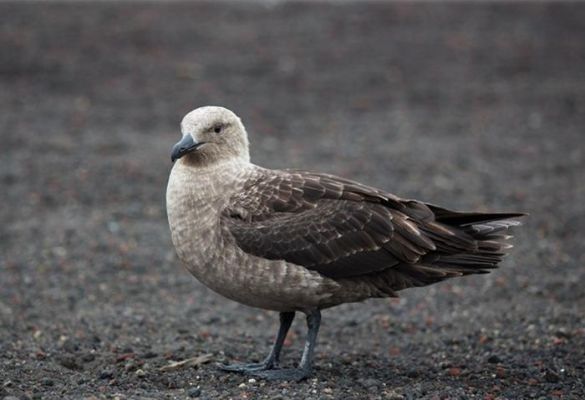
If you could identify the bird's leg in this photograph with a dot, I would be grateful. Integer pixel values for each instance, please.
(286, 319)
(305, 367)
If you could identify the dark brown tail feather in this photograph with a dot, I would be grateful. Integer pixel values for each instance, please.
(467, 243)
(461, 219)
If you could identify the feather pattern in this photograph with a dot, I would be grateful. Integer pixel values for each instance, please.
(343, 229)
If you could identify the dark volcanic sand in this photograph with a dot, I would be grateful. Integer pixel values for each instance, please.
(470, 106)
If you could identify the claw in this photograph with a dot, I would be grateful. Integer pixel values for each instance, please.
(246, 368)
(292, 374)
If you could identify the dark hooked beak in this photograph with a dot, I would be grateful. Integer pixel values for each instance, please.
(186, 145)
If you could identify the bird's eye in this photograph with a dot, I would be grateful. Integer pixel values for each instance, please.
(217, 128)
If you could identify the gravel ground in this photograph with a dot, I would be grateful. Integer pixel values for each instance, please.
(478, 106)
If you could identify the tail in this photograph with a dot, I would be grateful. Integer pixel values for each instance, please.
(466, 243)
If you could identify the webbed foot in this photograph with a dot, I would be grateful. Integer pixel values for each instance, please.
(247, 368)
(291, 374)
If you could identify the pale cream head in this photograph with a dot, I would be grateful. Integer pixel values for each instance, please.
(212, 134)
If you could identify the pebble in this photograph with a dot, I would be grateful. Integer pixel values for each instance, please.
(413, 373)
(194, 392)
(551, 377)
(69, 362)
(493, 359)
(131, 366)
(70, 345)
(106, 374)
(393, 395)
(371, 383)
(48, 382)
(140, 373)
(149, 354)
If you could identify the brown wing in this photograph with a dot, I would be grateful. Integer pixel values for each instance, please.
(327, 224)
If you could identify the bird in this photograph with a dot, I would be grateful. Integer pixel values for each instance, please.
(299, 241)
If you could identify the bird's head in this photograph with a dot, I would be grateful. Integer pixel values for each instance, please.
(211, 134)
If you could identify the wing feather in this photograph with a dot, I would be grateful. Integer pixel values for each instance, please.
(336, 227)
(344, 229)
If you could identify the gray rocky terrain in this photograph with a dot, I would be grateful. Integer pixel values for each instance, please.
(471, 106)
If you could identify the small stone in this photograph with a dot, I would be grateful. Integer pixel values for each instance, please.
(563, 334)
(70, 346)
(106, 374)
(493, 359)
(149, 354)
(194, 392)
(131, 366)
(70, 362)
(48, 382)
(393, 395)
(413, 373)
(551, 377)
(251, 380)
(242, 386)
(370, 383)
(140, 373)
(328, 390)
(171, 382)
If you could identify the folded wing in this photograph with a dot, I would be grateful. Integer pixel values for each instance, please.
(342, 229)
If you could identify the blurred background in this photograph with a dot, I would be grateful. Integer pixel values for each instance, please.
(470, 106)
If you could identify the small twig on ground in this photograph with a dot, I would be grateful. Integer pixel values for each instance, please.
(189, 362)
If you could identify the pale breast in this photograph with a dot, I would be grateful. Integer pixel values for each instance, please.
(195, 199)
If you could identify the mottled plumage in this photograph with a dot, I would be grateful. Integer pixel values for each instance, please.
(290, 240)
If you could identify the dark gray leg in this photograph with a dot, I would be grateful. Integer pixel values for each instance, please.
(286, 319)
(313, 323)
(306, 366)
